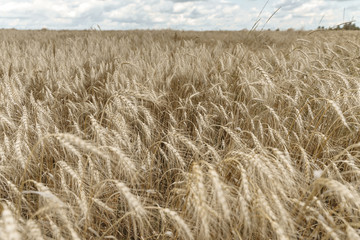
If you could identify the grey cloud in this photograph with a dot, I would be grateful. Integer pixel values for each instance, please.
(290, 4)
(195, 14)
(91, 16)
(188, 1)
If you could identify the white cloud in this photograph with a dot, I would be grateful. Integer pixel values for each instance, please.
(176, 14)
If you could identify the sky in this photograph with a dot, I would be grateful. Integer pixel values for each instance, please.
(176, 14)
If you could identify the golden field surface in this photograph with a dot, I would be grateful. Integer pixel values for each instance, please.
(179, 135)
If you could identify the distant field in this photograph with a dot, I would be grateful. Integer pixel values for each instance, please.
(179, 135)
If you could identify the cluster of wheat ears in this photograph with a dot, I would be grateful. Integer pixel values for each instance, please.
(179, 135)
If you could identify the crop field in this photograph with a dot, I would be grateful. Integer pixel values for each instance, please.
(179, 135)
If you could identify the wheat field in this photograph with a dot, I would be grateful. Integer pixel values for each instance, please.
(179, 135)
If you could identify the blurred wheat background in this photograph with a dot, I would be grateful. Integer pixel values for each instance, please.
(179, 135)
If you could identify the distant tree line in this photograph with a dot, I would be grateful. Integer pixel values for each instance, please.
(343, 26)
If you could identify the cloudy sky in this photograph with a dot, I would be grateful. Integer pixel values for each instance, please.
(175, 14)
